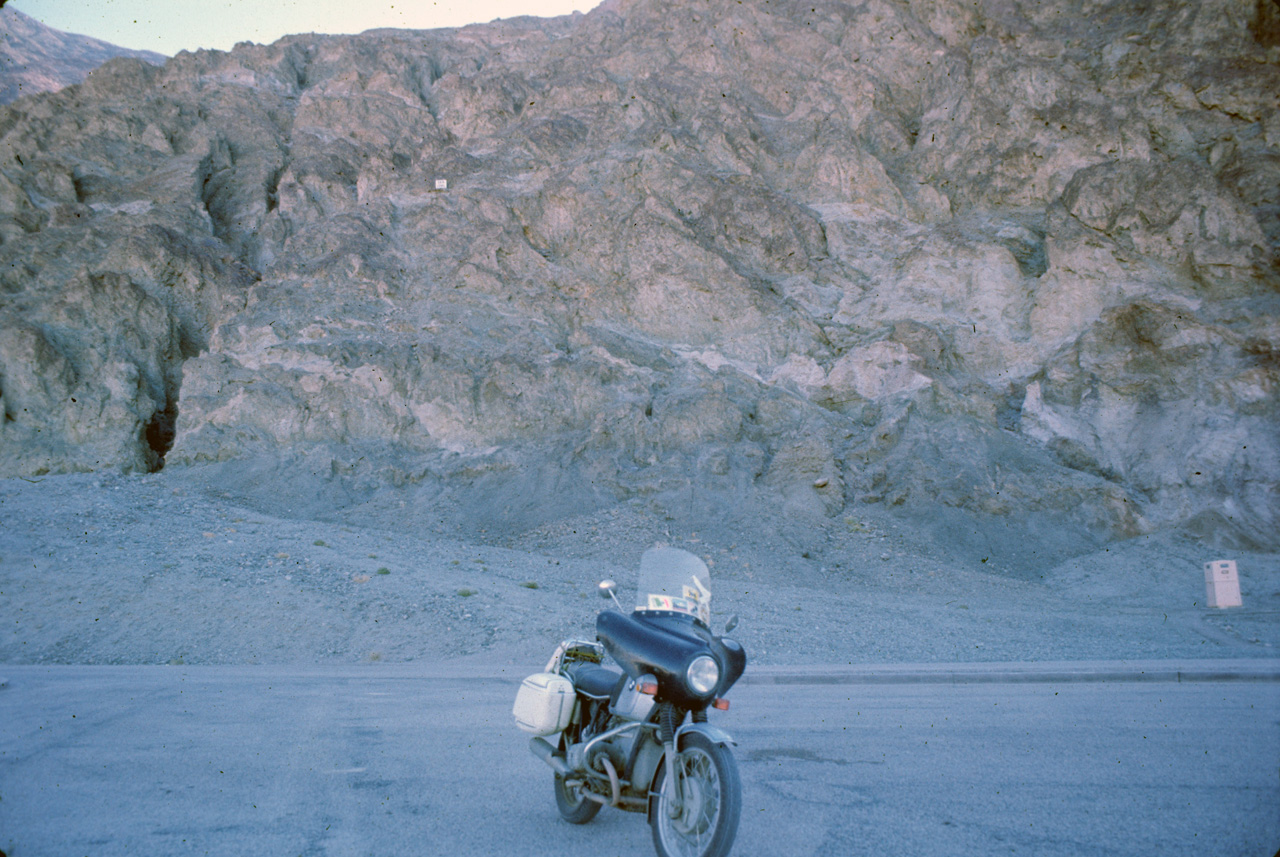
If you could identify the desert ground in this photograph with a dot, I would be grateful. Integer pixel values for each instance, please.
(188, 567)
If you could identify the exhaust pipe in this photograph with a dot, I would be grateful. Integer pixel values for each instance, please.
(544, 751)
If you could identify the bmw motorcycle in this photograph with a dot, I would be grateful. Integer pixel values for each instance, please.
(636, 736)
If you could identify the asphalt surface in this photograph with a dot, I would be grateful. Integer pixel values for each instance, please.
(972, 759)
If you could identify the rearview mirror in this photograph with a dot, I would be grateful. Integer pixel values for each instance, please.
(607, 589)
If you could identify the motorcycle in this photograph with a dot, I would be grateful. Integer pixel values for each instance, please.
(636, 737)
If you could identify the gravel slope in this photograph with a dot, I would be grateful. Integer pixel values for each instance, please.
(177, 567)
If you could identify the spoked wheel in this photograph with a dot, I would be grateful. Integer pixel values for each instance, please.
(574, 807)
(705, 822)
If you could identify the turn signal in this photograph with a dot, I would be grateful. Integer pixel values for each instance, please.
(720, 705)
(649, 687)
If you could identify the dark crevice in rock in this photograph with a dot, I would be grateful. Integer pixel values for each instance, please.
(161, 430)
(300, 61)
(214, 190)
(273, 188)
(1266, 23)
(1009, 414)
(1029, 253)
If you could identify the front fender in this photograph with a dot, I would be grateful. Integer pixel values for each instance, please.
(714, 734)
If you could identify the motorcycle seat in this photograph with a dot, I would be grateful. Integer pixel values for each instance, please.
(594, 681)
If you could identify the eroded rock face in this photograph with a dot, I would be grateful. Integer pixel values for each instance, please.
(998, 258)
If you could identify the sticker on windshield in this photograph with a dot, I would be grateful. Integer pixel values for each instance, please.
(666, 602)
(699, 599)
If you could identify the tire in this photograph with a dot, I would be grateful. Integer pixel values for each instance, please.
(574, 808)
(707, 825)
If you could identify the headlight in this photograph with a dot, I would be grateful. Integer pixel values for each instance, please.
(703, 674)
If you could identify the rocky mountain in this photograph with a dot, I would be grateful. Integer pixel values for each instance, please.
(997, 261)
(35, 58)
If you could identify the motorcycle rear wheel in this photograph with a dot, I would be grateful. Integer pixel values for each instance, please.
(574, 807)
(708, 821)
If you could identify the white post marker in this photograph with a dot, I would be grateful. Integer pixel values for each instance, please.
(442, 184)
(1222, 583)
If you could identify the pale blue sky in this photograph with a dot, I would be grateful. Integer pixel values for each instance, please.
(169, 26)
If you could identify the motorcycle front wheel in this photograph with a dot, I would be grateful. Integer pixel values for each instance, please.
(706, 821)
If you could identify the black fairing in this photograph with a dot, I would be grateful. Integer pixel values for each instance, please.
(664, 644)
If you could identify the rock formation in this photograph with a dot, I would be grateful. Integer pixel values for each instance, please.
(35, 58)
(1000, 259)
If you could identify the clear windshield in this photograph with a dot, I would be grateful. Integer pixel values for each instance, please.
(675, 581)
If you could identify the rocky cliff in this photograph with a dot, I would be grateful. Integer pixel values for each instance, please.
(1002, 261)
(35, 58)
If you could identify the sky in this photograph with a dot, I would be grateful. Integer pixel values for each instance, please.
(170, 26)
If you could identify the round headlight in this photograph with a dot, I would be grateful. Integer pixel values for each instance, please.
(703, 674)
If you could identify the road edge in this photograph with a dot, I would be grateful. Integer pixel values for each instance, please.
(1056, 672)
(1059, 672)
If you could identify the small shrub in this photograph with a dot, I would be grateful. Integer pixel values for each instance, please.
(530, 584)
(466, 593)
(319, 543)
(384, 570)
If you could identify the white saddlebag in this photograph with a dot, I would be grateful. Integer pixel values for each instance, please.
(544, 704)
